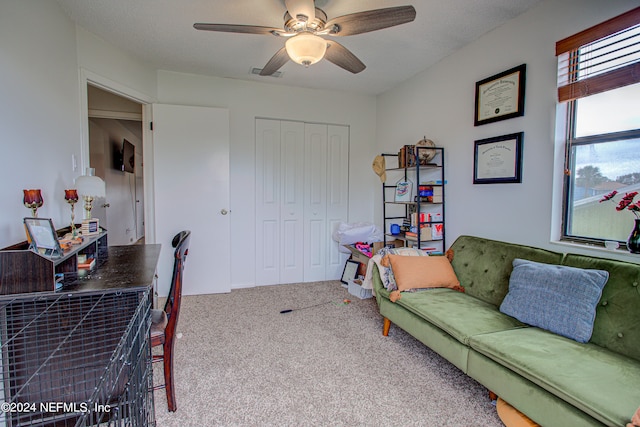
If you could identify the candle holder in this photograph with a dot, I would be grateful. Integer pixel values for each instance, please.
(71, 196)
(33, 200)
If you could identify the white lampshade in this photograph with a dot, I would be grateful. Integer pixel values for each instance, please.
(306, 48)
(90, 185)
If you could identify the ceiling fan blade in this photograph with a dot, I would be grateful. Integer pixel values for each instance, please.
(301, 7)
(231, 28)
(342, 57)
(371, 20)
(278, 60)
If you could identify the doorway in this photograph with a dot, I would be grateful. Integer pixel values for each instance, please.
(115, 123)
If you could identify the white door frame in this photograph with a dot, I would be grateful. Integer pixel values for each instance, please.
(88, 77)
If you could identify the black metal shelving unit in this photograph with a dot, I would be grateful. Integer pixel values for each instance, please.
(416, 205)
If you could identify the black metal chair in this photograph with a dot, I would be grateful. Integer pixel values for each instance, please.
(164, 322)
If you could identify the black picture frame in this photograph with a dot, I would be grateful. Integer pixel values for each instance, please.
(43, 237)
(498, 160)
(501, 96)
(350, 271)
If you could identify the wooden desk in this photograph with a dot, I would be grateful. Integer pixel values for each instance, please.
(120, 267)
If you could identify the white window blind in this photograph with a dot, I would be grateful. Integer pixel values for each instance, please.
(601, 58)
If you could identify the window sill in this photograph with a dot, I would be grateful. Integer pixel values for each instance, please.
(598, 251)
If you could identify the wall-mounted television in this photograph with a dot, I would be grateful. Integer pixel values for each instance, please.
(128, 157)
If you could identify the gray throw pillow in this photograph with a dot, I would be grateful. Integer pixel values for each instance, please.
(557, 298)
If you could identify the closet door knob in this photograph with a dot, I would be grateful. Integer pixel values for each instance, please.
(224, 212)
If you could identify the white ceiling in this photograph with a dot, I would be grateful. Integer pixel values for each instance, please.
(161, 33)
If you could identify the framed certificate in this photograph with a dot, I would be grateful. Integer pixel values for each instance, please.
(498, 159)
(500, 97)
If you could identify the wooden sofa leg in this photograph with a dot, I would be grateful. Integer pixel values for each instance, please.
(492, 395)
(386, 326)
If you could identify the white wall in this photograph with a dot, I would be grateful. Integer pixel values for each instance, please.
(38, 112)
(248, 100)
(439, 103)
(41, 105)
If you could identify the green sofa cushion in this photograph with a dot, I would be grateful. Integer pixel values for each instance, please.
(617, 324)
(460, 315)
(587, 376)
(483, 266)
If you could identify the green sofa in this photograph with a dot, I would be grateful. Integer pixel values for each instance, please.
(553, 380)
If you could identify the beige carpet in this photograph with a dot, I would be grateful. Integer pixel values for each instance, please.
(240, 362)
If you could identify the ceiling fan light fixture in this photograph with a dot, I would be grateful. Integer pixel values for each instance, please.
(306, 48)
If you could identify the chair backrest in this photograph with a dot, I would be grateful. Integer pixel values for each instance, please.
(172, 306)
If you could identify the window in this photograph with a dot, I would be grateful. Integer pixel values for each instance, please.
(599, 78)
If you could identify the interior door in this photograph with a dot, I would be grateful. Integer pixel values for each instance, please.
(191, 178)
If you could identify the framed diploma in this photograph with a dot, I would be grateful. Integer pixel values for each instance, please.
(500, 97)
(498, 159)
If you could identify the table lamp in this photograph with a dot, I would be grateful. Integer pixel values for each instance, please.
(89, 187)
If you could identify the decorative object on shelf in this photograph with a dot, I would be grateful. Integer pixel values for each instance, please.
(425, 156)
(498, 160)
(500, 97)
(89, 187)
(33, 200)
(403, 191)
(379, 167)
(71, 196)
(626, 203)
(407, 156)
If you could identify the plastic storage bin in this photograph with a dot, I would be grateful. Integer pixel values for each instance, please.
(357, 290)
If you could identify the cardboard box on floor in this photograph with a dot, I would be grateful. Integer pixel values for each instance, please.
(363, 259)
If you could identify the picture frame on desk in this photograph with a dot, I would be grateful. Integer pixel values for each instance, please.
(43, 237)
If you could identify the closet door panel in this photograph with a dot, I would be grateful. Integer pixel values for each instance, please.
(315, 207)
(337, 194)
(268, 200)
(292, 202)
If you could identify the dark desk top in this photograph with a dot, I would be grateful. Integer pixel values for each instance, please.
(122, 267)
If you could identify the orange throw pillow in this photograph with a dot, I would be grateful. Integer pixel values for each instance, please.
(423, 272)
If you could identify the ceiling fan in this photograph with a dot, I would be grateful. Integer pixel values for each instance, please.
(304, 26)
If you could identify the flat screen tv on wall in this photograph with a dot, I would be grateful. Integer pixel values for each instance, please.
(128, 163)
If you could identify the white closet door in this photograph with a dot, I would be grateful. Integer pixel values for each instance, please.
(316, 237)
(301, 196)
(292, 202)
(337, 195)
(267, 202)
